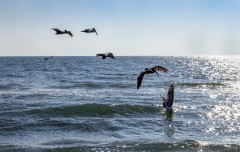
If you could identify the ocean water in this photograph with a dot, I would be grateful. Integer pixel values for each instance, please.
(90, 104)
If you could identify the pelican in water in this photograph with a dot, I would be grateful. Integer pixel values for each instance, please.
(149, 71)
(62, 32)
(46, 58)
(93, 30)
(168, 102)
(104, 55)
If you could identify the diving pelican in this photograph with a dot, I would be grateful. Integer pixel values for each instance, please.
(168, 102)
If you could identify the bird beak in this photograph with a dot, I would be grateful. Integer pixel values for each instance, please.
(96, 33)
(156, 73)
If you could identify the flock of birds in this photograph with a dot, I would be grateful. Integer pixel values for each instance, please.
(110, 55)
(92, 30)
(59, 32)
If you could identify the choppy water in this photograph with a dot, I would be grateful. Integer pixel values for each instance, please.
(89, 104)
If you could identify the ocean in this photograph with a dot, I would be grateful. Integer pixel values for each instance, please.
(89, 104)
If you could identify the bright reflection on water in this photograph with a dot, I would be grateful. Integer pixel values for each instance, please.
(220, 109)
(85, 99)
(208, 97)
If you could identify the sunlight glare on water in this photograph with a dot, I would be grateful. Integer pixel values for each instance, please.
(224, 115)
(82, 101)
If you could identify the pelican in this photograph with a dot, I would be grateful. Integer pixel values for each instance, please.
(93, 30)
(46, 58)
(104, 55)
(168, 102)
(62, 32)
(149, 71)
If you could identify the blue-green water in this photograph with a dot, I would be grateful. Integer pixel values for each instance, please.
(90, 104)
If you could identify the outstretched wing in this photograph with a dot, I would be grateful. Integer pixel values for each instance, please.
(111, 56)
(95, 32)
(101, 54)
(56, 29)
(70, 33)
(86, 30)
(160, 68)
(171, 94)
(139, 79)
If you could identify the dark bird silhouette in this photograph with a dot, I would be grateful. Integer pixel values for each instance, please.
(104, 55)
(93, 30)
(62, 32)
(46, 58)
(149, 71)
(168, 102)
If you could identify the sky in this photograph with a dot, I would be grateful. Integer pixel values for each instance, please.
(125, 27)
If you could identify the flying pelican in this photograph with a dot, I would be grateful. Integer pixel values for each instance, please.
(90, 31)
(104, 55)
(149, 71)
(62, 32)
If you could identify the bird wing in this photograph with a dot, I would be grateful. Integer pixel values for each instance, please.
(70, 33)
(95, 32)
(86, 30)
(139, 79)
(104, 57)
(56, 29)
(148, 71)
(170, 94)
(111, 56)
(164, 99)
(100, 54)
(160, 68)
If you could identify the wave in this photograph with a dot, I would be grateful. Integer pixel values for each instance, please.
(90, 117)
(77, 85)
(5, 87)
(92, 85)
(79, 145)
(94, 110)
(201, 84)
(181, 146)
(14, 76)
(13, 87)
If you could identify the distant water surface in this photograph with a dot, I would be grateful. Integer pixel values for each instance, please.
(90, 104)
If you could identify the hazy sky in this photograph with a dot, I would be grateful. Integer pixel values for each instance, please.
(125, 27)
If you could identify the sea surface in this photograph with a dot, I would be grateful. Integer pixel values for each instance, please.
(90, 104)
